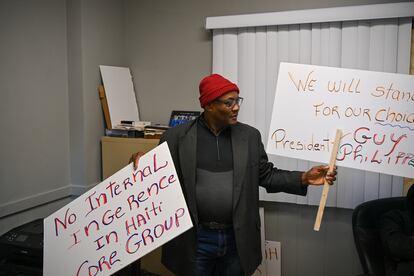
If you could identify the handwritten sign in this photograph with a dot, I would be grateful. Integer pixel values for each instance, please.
(374, 110)
(120, 220)
(261, 269)
(272, 263)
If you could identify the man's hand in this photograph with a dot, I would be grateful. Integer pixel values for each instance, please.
(318, 174)
(135, 159)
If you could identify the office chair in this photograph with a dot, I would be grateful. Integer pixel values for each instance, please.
(365, 219)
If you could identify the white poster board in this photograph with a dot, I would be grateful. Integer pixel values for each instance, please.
(375, 111)
(273, 258)
(120, 94)
(120, 220)
(261, 269)
(271, 264)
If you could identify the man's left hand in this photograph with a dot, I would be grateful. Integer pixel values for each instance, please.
(318, 174)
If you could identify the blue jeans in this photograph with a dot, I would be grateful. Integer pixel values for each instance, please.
(217, 253)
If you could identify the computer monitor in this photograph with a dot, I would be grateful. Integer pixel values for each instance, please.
(179, 117)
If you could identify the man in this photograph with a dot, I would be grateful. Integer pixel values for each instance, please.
(221, 163)
(397, 235)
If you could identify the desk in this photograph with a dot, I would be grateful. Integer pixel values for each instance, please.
(115, 155)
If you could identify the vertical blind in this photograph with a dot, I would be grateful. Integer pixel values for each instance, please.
(250, 56)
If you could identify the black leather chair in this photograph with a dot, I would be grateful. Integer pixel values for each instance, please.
(365, 219)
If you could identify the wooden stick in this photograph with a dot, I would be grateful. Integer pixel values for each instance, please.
(325, 190)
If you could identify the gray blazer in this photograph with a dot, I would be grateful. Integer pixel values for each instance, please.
(251, 169)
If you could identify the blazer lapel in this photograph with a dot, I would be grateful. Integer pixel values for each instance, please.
(187, 156)
(239, 146)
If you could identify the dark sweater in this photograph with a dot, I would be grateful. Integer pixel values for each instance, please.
(214, 183)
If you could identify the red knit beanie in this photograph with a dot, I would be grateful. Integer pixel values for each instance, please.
(213, 87)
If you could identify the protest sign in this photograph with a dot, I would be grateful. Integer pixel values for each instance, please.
(273, 258)
(271, 263)
(374, 110)
(120, 220)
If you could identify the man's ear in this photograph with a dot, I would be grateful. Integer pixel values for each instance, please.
(209, 107)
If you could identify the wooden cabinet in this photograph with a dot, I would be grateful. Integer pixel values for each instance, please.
(115, 155)
(117, 151)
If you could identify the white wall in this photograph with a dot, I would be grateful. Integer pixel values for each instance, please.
(50, 110)
(34, 110)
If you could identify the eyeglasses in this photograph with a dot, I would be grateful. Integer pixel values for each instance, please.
(230, 103)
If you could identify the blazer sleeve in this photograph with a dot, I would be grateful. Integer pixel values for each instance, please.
(275, 180)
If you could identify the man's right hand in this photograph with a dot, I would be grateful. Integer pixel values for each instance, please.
(135, 159)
